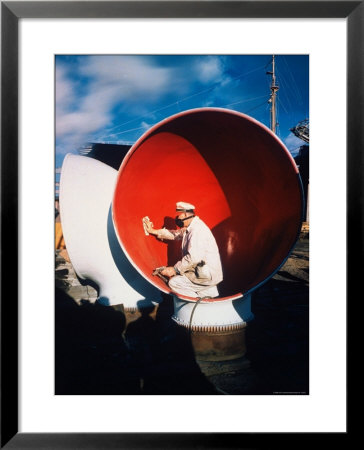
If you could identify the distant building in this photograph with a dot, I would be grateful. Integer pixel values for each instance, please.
(110, 154)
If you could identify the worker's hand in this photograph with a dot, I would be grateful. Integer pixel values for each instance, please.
(149, 227)
(169, 272)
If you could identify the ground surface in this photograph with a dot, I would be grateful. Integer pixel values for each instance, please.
(102, 351)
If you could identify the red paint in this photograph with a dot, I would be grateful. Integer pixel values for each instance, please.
(242, 180)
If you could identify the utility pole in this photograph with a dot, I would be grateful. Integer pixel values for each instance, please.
(273, 97)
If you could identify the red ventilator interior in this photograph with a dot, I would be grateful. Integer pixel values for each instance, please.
(242, 180)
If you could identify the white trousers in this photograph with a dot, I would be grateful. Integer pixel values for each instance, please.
(182, 285)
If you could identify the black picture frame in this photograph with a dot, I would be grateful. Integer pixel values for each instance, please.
(11, 12)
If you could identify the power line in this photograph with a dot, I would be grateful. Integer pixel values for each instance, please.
(285, 86)
(281, 103)
(243, 101)
(137, 118)
(126, 131)
(183, 100)
(294, 86)
(255, 107)
(222, 106)
(229, 104)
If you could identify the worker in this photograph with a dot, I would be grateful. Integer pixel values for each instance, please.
(199, 271)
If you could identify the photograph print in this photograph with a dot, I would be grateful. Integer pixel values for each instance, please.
(182, 224)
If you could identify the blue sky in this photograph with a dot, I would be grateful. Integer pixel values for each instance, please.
(116, 99)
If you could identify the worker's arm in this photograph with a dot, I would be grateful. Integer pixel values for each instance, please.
(169, 272)
(186, 263)
(194, 255)
(168, 234)
(162, 233)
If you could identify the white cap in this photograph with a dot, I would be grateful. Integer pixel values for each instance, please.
(183, 206)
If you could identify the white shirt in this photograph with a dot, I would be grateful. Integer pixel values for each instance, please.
(198, 244)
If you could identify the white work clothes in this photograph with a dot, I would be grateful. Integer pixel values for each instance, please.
(198, 244)
(182, 285)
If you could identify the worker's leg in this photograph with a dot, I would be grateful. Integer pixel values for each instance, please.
(208, 291)
(182, 285)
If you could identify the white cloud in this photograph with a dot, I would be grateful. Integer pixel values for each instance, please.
(65, 92)
(110, 81)
(146, 125)
(209, 69)
(208, 103)
(81, 122)
(125, 76)
(88, 96)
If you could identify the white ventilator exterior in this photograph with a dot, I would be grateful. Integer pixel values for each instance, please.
(213, 316)
(86, 192)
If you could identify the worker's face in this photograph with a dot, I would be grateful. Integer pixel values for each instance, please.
(183, 223)
(182, 215)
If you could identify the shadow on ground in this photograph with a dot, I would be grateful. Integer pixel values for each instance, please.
(99, 352)
(103, 351)
(278, 339)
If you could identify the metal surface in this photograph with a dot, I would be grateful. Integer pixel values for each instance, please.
(86, 190)
(239, 175)
(216, 328)
(213, 316)
(223, 346)
(302, 130)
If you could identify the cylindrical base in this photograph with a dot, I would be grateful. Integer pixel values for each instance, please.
(222, 346)
(209, 343)
(216, 328)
